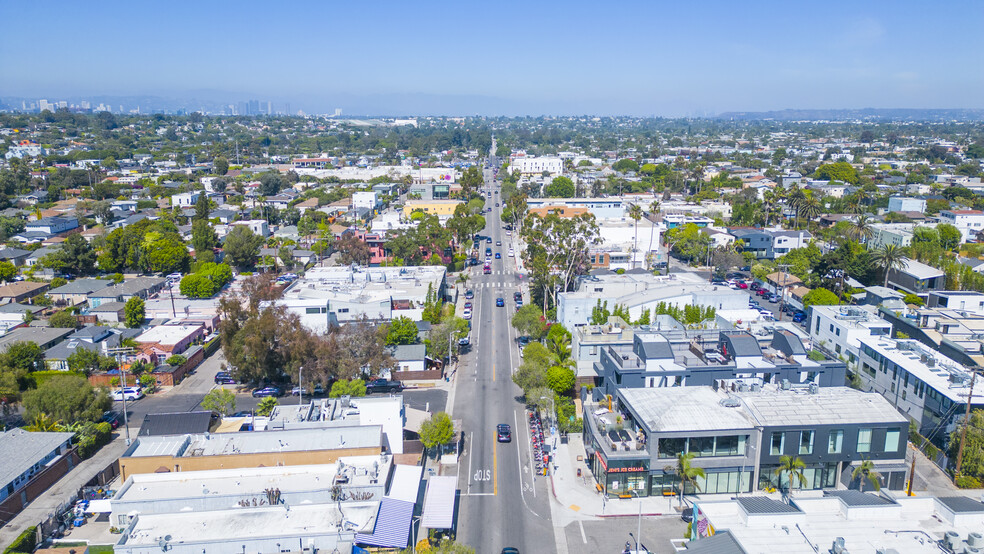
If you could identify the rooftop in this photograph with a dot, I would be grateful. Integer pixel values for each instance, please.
(292, 440)
(251, 523)
(167, 334)
(251, 481)
(22, 449)
(930, 366)
(82, 286)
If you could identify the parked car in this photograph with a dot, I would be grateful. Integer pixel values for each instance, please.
(383, 385)
(129, 393)
(465, 340)
(755, 286)
(466, 313)
(742, 285)
(798, 317)
(224, 378)
(469, 294)
(511, 253)
(113, 418)
(266, 391)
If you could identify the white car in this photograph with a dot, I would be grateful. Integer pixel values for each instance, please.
(511, 253)
(129, 393)
(466, 314)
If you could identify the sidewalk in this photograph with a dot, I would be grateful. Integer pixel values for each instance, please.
(581, 496)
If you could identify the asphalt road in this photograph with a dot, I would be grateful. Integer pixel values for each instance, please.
(502, 503)
(611, 534)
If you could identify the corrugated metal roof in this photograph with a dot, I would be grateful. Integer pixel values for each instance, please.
(720, 543)
(392, 528)
(961, 504)
(439, 502)
(858, 498)
(765, 505)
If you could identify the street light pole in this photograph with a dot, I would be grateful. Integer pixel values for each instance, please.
(300, 385)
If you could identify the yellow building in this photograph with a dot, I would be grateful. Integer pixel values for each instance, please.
(440, 208)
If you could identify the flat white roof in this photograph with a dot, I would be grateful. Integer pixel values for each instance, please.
(253, 442)
(946, 376)
(251, 523)
(168, 334)
(241, 481)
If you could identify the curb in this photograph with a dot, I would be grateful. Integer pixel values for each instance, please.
(630, 515)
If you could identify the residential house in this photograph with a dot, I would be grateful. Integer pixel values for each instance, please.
(13, 314)
(22, 291)
(917, 278)
(257, 226)
(99, 339)
(108, 312)
(15, 256)
(906, 204)
(52, 225)
(139, 287)
(163, 341)
(185, 199)
(78, 291)
(409, 357)
(44, 337)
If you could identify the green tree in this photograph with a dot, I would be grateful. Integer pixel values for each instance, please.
(437, 431)
(561, 379)
(949, 236)
(820, 297)
(221, 166)
(63, 319)
(197, 285)
(203, 240)
(24, 356)
(220, 400)
(242, 246)
(444, 337)
(75, 256)
(134, 312)
(793, 466)
(7, 271)
(560, 187)
(164, 252)
(866, 472)
(175, 360)
(69, 399)
(266, 406)
(528, 320)
(625, 165)
(972, 463)
(402, 330)
(889, 257)
(839, 171)
(83, 361)
(354, 388)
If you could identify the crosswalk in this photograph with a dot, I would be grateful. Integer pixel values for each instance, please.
(492, 285)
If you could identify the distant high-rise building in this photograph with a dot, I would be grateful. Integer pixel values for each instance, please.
(338, 112)
(43, 105)
(269, 108)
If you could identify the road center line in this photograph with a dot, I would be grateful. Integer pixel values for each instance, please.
(495, 467)
(471, 441)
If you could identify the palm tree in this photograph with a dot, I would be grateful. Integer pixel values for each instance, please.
(654, 210)
(861, 228)
(810, 208)
(890, 257)
(635, 212)
(44, 423)
(794, 467)
(795, 199)
(686, 472)
(866, 472)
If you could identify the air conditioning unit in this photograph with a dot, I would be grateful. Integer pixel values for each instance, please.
(950, 540)
(814, 388)
(838, 547)
(786, 385)
(975, 540)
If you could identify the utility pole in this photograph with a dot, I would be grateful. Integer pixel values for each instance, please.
(963, 432)
(783, 276)
(912, 475)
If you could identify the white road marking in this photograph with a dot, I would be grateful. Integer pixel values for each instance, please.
(470, 442)
(584, 537)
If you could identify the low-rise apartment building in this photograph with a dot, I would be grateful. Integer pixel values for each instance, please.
(968, 222)
(916, 278)
(839, 329)
(928, 387)
(906, 204)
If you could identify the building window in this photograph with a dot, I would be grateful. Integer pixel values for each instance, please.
(864, 440)
(778, 442)
(835, 442)
(892, 440)
(806, 442)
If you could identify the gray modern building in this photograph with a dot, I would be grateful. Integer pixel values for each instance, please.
(739, 437)
(734, 358)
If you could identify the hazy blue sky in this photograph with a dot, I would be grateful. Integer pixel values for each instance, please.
(601, 57)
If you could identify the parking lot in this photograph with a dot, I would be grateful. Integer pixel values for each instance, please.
(768, 304)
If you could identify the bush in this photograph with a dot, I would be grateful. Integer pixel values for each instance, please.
(92, 437)
(25, 542)
(968, 482)
(64, 320)
(37, 378)
(913, 299)
(176, 360)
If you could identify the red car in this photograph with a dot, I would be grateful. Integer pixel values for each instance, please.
(742, 285)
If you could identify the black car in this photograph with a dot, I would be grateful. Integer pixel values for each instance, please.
(517, 296)
(503, 432)
(488, 240)
(382, 385)
(687, 515)
(224, 378)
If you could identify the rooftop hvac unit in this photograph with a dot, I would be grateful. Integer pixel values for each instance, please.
(814, 388)
(930, 361)
(950, 540)
(838, 547)
(975, 540)
(743, 388)
(972, 550)
(756, 387)
(786, 385)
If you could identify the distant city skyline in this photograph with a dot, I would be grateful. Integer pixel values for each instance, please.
(552, 58)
